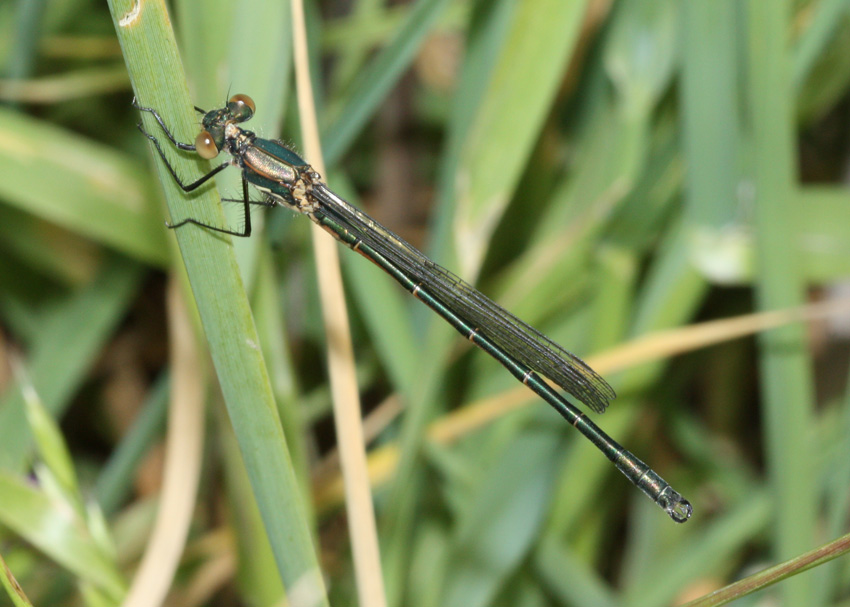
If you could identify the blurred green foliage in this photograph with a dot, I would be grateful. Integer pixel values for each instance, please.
(602, 168)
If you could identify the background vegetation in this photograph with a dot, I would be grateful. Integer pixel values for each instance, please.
(606, 170)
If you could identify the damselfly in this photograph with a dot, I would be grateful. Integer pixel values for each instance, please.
(286, 180)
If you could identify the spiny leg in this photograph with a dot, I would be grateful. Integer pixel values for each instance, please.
(183, 146)
(244, 233)
(195, 184)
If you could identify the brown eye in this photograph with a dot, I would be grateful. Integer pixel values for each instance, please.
(205, 146)
(241, 107)
(245, 100)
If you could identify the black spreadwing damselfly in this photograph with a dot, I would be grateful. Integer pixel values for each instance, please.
(286, 180)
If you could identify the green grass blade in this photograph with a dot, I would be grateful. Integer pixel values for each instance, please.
(710, 112)
(62, 352)
(116, 478)
(569, 578)
(777, 573)
(54, 529)
(499, 521)
(784, 361)
(524, 82)
(151, 52)
(12, 587)
(80, 185)
(824, 238)
(379, 77)
(822, 25)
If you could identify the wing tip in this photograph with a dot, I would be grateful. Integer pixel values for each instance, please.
(599, 395)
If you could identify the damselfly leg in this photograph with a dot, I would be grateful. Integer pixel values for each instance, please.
(246, 230)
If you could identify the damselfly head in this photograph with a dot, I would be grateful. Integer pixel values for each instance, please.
(210, 141)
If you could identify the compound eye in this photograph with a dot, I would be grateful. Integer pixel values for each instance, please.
(205, 146)
(242, 107)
